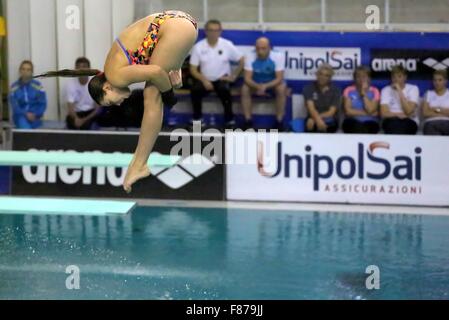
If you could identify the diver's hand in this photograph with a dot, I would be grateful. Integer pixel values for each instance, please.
(176, 78)
(134, 174)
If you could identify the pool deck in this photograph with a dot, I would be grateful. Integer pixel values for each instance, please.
(285, 206)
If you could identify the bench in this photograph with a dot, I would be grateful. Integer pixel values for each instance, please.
(181, 114)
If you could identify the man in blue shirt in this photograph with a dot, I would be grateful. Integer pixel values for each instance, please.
(27, 98)
(264, 75)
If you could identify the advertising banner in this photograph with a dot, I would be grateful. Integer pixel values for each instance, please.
(338, 168)
(196, 177)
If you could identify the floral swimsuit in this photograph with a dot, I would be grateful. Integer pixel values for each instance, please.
(143, 54)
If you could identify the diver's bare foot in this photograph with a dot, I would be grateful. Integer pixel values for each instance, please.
(134, 174)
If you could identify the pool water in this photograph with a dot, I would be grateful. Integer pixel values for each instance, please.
(216, 253)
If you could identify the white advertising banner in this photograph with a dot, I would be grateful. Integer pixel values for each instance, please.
(301, 63)
(381, 169)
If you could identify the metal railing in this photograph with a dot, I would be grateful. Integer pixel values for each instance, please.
(324, 24)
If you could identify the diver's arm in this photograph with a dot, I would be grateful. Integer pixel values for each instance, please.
(141, 73)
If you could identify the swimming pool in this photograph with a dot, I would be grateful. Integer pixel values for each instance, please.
(224, 253)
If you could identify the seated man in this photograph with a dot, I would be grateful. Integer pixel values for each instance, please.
(361, 104)
(398, 103)
(436, 106)
(82, 110)
(264, 74)
(322, 99)
(27, 99)
(210, 66)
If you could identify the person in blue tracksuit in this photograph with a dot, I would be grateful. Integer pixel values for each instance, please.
(27, 99)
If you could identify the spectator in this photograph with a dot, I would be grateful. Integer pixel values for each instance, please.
(361, 104)
(82, 110)
(210, 65)
(27, 98)
(399, 102)
(322, 101)
(436, 106)
(264, 76)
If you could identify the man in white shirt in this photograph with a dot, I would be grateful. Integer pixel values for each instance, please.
(264, 76)
(210, 66)
(399, 103)
(82, 109)
(436, 106)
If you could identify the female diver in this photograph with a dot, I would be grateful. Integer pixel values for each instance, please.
(156, 60)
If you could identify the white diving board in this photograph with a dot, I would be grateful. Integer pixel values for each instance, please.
(86, 159)
(48, 206)
(75, 207)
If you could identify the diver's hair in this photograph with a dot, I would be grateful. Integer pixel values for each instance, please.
(95, 86)
(69, 73)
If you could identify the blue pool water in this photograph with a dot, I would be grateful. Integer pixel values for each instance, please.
(203, 253)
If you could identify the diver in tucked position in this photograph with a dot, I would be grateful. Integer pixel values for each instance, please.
(168, 38)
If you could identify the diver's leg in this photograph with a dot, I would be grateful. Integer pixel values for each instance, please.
(151, 125)
(176, 38)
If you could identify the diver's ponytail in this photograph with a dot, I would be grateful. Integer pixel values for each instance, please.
(95, 86)
(68, 73)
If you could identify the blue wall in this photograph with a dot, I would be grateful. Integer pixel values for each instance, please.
(364, 40)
